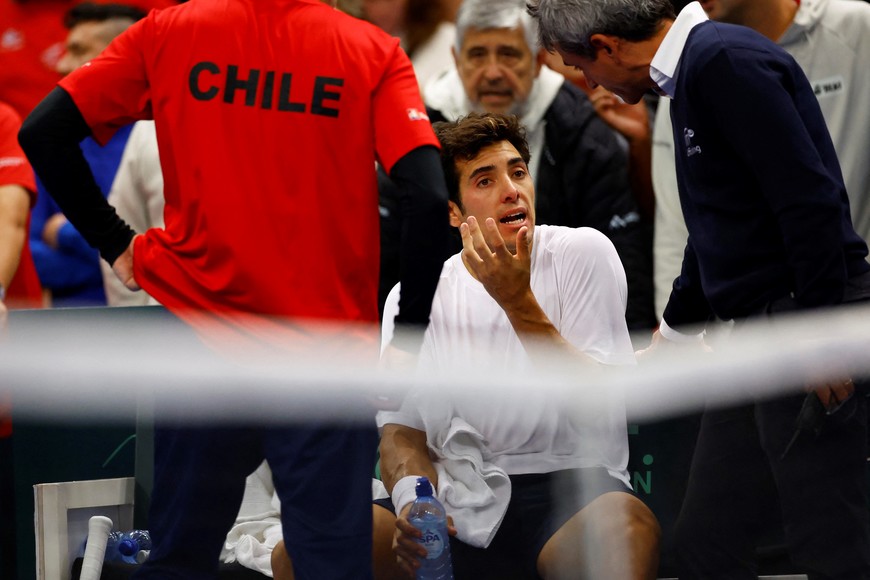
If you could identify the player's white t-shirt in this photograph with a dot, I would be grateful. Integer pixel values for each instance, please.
(580, 283)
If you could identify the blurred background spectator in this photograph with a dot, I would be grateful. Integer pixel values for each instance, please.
(424, 27)
(19, 287)
(69, 269)
(31, 44)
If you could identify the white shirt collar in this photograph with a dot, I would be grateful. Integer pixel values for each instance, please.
(663, 68)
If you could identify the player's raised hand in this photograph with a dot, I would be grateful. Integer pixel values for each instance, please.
(506, 277)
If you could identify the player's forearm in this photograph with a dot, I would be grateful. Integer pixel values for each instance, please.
(14, 205)
(404, 453)
(536, 331)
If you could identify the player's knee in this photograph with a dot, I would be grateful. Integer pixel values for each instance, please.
(642, 522)
(621, 518)
(282, 568)
(615, 536)
(631, 533)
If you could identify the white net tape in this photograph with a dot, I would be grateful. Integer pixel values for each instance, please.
(97, 369)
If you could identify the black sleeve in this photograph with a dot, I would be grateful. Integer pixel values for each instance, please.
(50, 137)
(425, 230)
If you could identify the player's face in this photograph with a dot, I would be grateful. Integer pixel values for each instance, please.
(84, 42)
(497, 68)
(628, 83)
(496, 184)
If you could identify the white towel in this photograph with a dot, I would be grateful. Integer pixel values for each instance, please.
(251, 544)
(475, 492)
(260, 500)
(258, 525)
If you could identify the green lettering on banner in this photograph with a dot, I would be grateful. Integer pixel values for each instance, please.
(642, 481)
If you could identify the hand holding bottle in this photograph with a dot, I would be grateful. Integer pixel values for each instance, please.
(421, 541)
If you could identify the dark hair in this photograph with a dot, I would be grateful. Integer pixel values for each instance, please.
(569, 24)
(94, 12)
(468, 135)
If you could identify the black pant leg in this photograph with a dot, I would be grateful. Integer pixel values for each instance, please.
(729, 494)
(822, 486)
(199, 481)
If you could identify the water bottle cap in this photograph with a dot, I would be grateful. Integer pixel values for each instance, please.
(423, 487)
(128, 547)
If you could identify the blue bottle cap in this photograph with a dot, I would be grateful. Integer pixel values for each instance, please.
(128, 547)
(423, 487)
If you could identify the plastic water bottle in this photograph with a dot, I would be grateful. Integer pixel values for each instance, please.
(104, 545)
(135, 544)
(428, 515)
(126, 546)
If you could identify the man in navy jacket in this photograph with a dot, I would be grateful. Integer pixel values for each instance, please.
(769, 231)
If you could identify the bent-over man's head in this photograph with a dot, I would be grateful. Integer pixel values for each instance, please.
(611, 41)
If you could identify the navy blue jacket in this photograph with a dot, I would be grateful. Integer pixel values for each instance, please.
(760, 184)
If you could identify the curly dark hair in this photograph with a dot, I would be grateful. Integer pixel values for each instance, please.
(468, 135)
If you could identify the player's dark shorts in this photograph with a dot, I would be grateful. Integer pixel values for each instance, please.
(540, 504)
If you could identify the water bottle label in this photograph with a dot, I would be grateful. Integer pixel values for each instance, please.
(433, 542)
